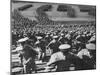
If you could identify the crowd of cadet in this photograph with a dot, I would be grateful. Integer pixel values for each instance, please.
(60, 49)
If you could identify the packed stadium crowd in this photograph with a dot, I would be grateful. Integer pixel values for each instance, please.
(61, 46)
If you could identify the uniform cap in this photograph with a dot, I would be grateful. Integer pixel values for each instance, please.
(64, 46)
(23, 39)
(55, 37)
(39, 37)
(91, 46)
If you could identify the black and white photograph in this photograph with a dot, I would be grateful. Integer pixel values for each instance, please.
(52, 37)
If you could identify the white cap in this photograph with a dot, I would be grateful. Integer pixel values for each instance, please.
(91, 46)
(55, 37)
(61, 34)
(39, 37)
(23, 39)
(64, 46)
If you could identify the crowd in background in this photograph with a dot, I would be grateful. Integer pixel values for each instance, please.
(47, 36)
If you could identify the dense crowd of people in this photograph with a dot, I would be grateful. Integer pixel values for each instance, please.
(62, 46)
(46, 42)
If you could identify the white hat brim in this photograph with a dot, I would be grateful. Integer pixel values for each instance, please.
(64, 46)
(39, 37)
(91, 46)
(23, 39)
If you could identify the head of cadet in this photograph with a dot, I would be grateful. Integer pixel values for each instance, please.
(65, 47)
(22, 41)
(91, 47)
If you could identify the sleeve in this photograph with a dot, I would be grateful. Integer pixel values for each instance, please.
(87, 53)
(52, 59)
(80, 54)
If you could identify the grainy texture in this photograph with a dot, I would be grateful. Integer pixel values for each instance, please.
(50, 37)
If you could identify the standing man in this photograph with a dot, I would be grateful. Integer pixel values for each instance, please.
(28, 55)
(29, 58)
